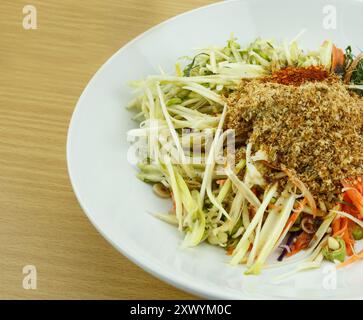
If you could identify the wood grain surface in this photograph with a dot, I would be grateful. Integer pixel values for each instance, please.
(43, 72)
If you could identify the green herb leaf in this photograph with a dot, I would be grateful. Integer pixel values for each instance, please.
(348, 57)
(357, 75)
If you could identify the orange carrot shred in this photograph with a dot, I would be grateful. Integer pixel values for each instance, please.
(221, 182)
(295, 215)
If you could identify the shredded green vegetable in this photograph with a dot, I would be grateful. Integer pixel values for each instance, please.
(224, 204)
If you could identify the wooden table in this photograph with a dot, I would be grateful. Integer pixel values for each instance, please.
(43, 72)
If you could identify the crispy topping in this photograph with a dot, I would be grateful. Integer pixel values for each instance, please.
(314, 129)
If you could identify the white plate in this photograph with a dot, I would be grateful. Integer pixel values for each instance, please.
(117, 203)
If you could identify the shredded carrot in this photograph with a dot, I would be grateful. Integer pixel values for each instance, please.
(221, 182)
(347, 199)
(295, 215)
(359, 185)
(350, 208)
(302, 241)
(336, 225)
(348, 237)
(351, 260)
(348, 244)
(354, 194)
(343, 225)
(230, 250)
(353, 204)
(337, 59)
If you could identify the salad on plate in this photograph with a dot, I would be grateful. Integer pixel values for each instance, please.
(259, 150)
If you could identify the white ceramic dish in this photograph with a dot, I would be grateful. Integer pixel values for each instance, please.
(117, 203)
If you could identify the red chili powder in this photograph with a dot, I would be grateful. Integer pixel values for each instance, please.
(297, 76)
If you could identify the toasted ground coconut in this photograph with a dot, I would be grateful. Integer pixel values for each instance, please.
(314, 129)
